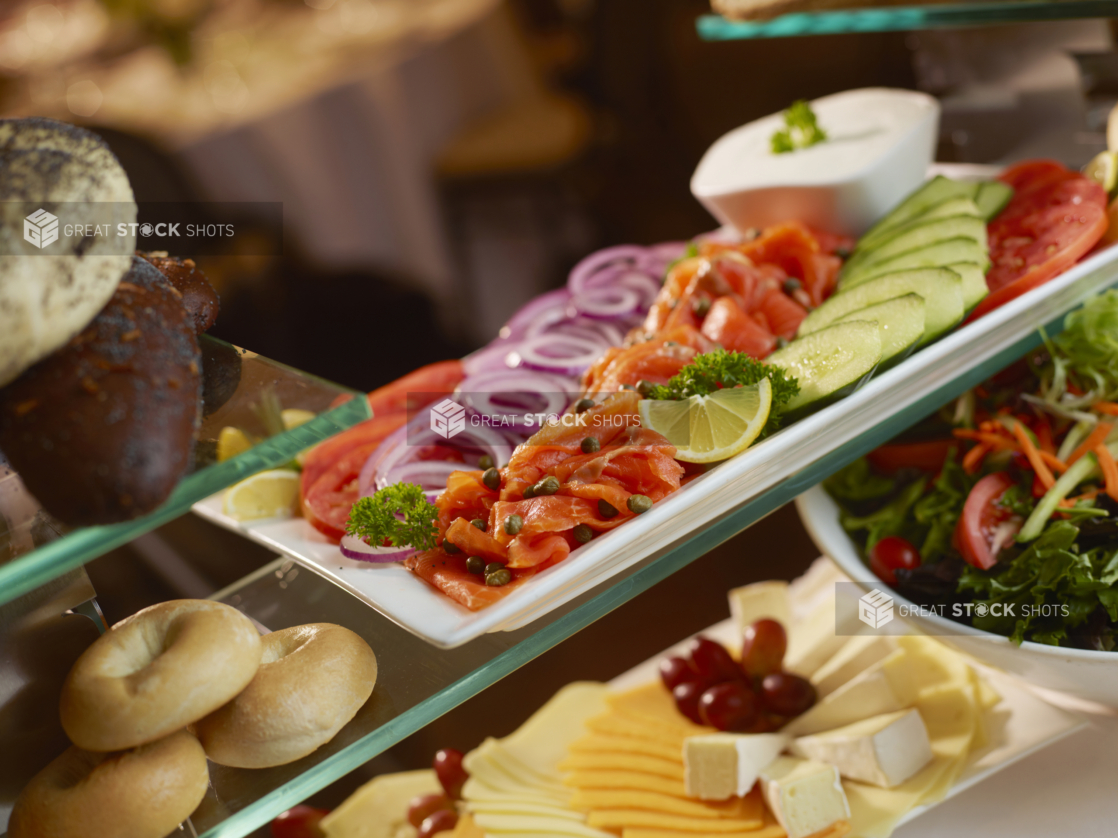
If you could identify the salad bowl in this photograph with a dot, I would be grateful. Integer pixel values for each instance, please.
(1085, 674)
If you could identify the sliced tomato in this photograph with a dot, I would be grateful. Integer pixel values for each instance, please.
(417, 389)
(929, 455)
(1053, 220)
(985, 526)
(728, 325)
(329, 451)
(326, 502)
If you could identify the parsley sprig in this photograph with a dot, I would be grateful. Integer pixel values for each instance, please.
(719, 369)
(399, 516)
(800, 129)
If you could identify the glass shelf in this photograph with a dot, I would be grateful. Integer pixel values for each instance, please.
(418, 683)
(35, 548)
(902, 18)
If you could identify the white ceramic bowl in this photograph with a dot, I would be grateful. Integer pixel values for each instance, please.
(1085, 674)
(880, 144)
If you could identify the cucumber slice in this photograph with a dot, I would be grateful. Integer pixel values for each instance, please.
(900, 321)
(829, 363)
(921, 233)
(935, 191)
(944, 209)
(941, 289)
(936, 255)
(992, 197)
(974, 282)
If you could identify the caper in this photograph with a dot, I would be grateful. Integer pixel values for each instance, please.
(645, 388)
(479, 523)
(451, 548)
(701, 306)
(485, 462)
(513, 523)
(606, 509)
(493, 567)
(666, 343)
(475, 564)
(529, 492)
(582, 533)
(498, 578)
(842, 252)
(639, 503)
(548, 486)
(590, 445)
(628, 387)
(782, 342)
(583, 405)
(792, 284)
(491, 478)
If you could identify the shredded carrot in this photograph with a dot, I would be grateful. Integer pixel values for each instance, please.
(1109, 408)
(1053, 462)
(1033, 456)
(1096, 437)
(1109, 470)
(1090, 494)
(1044, 438)
(973, 459)
(993, 440)
(1075, 391)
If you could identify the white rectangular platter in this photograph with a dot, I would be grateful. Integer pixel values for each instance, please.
(410, 602)
(1020, 725)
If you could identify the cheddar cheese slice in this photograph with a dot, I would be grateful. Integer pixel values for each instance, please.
(653, 706)
(597, 799)
(603, 743)
(621, 724)
(612, 819)
(637, 780)
(613, 761)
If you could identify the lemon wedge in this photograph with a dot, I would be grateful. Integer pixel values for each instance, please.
(294, 417)
(267, 494)
(231, 442)
(1103, 169)
(706, 429)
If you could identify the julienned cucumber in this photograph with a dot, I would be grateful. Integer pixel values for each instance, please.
(900, 322)
(936, 255)
(935, 191)
(920, 233)
(829, 363)
(942, 290)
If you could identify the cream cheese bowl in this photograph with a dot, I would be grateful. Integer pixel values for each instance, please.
(880, 142)
(1082, 673)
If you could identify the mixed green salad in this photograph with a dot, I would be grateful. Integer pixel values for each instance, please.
(1001, 510)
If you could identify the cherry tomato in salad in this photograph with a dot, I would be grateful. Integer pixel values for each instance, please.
(984, 525)
(928, 455)
(299, 822)
(1054, 218)
(890, 554)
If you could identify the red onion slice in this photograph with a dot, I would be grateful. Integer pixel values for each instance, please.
(606, 303)
(569, 355)
(584, 272)
(353, 547)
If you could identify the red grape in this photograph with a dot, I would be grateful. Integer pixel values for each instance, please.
(890, 554)
(763, 647)
(786, 694)
(729, 707)
(441, 820)
(675, 671)
(298, 822)
(451, 774)
(686, 697)
(426, 805)
(711, 662)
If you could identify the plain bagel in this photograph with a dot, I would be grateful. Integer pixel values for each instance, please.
(158, 671)
(143, 793)
(312, 680)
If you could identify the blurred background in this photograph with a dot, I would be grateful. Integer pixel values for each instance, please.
(441, 162)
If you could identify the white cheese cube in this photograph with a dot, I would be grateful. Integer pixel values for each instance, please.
(805, 796)
(761, 600)
(869, 694)
(884, 750)
(718, 766)
(814, 641)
